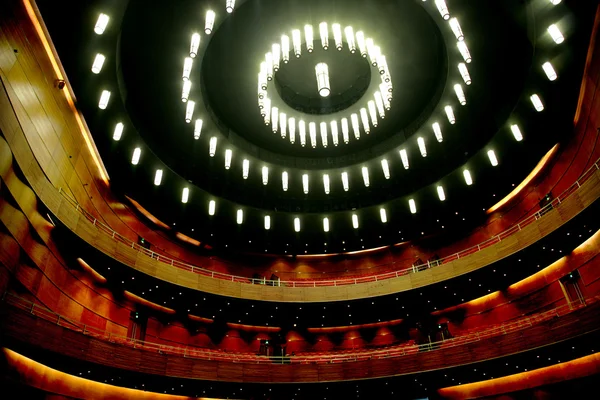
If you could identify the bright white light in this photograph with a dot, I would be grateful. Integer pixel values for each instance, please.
(371, 51)
(209, 22)
(413, 206)
(323, 130)
(443, 9)
(376, 55)
(274, 119)
(104, 98)
(118, 131)
(450, 114)
(455, 26)
(492, 157)
(464, 72)
(382, 65)
(365, 120)
(269, 63)
(440, 192)
(297, 42)
(240, 216)
(283, 124)
(284, 181)
(360, 42)
(324, 32)
(345, 130)
(228, 155)
(460, 95)
(187, 68)
(365, 175)
(355, 125)
(267, 222)
(325, 224)
(158, 177)
(468, 178)
(385, 167)
(383, 215)
(372, 112)
(386, 95)
(464, 52)
(349, 32)
(516, 132)
(555, 2)
(549, 70)
(322, 73)
(245, 168)
(265, 175)
(337, 35)
(185, 195)
(437, 131)
(198, 129)
(212, 146)
(308, 37)
(98, 63)
(537, 103)
(556, 34)
(302, 129)
(334, 132)
(297, 224)
(404, 157)
(185, 92)
(189, 111)
(285, 48)
(312, 130)
(276, 51)
(305, 183)
(355, 221)
(135, 158)
(101, 24)
(194, 45)
(292, 129)
(229, 5)
(212, 205)
(379, 104)
(422, 148)
(345, 181)
(326, 183)
(267, 111)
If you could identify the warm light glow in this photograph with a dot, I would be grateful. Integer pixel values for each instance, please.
(450, 114)
(185, 195)
(297, 224)
(282, 124)
(460, 95)
(229, 5)
(185, 92)
(209, 22)
(323, 130)
(345, 181)
(135, 158)
(492, 156)
(355, 125)
(284, 181)
(372, 112)
(334, 132)
(274, 119)
(379, 104)
(325, 224)
(228, 155)
(265, 175)
(239, 216)
(309, 38)
(437, 131)
(556, 34)
(337, 35)
(194, 45)
(212, 146)
(245, 168)
(355, 221)
(468, 178)
(360, 42)
(197, 129)
(267, 222)
(516, 132)
(365, 120)
(464, 72)
(324, 32)
(292, 129)
(212, 205)
(118, 131)
(322, 73)
(413, 206)
(385, 167)
(158, 177)
(101, 23)
(276, 52)
(345, 130)
(441, 194)
(302, 129)
(104, 98)
(422, 148)
(404, 157)
(349, 33)
(537, 103)
(383, 215)
(549, 70)
(98, 63)
(442, 8)
(189, 111)
(464, 51)
(365, 175)
(285, 48)
(297, 42)
(326, 183)
(312, 130)
(305, 183)
(187, 68)
(456, 29)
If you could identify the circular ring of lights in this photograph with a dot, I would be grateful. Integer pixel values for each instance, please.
(365, 118)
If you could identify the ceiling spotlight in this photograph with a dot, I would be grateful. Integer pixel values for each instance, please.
(455, 26)
(312, 131)
(349, 32)
(468, 178)
(228, 155)
(326, 184)
(372, 112)
(189, 111)
(98, 63)
(404, 157)
(308, 37)
(245, 168)
(101, 23)
(324, 33)
(365, 120)
(379, 104)
(212, 205)
(265, 175)
(239, 216)
(464, 52)
(383, 215)
(185, 92)
(185, 195)
(135, 158)
(292, 129)
(360, 42)
(365, 175)
(302, 130)
(197, 128)
(274, 119)
(355, 221)
(464, 72)
(322, 72)
(450, 114)
(437, 131)
(212, 146)
(556, 34)
(194, 45)
(440, 192)
(422, 148)
(555, 2)
(269, 63)
(267, 222)
(285, 48)
(550, 72)
(305, 183)
(537, 103)
(516, 132)
(229, 5)
(492, 156)
(209, 22)
(297, 224)
(104, 98)
(323, 130)
(443, 9)
(276, 51)
(297, 42)
(370, 46)
(282, 124)
(385, 167)
(413, 206)
(334, 132)
(345, 130)
(345, 181)
(460, 94)
(284, 181)
(266, 111)
(118, 132)
(337, 35)
(158, 177)
(187, 68)
(355, 125)
(326, 224)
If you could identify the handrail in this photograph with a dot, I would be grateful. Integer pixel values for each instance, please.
(555, 203)
(12, 299)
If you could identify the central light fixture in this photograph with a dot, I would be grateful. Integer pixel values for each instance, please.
(322, 72)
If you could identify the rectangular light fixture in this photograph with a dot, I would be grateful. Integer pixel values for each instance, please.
(276, 51)
(239, 216)
(437, 131)
(212, 146)
(228, 156)
(422, 148)
(349, 32)
(323, 130)
(118, 131)
(198, 129)
(440, 192)
(267, 222)
(185, 91)
(283, 124)
(326, 224)
(269, 63)
(212, 205)
(308, 37)
(372, 112)
(274, 119)
(324, 33)
(464, 52)
(229, 6)
(464, 72)
(189, 111)
(516, 132)
(194, 45)
(297, 42)
(326, 183)
(355, 221)
(456, 29)
(360, 42)
(345, 130)
(158, 177)
(245, 168)
(101, 23)
(345, 181)
(355, 125)
(209, 22)
(379, 104)
(556, 34)
(104, 98)
(365, 120)
(285, 48)
(265, 175)
(284, 181)
(337, 35)
(312, 130)
(460, 94)
(365, 175)
(492, 156)
(537, 103)
(292, 129)
(385, 167)
(443, 9)
(383, 215)
(334, 132)
(187, 68)
(98, 63)
(549, 70)
(450, 114)
(302, 130)
(413, 206)
(297, 224)
(135, 158)
(185, 195)
(468, 178)
(305, 183)
(404, 158)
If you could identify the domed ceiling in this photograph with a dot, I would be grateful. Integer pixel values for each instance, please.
(416, 155)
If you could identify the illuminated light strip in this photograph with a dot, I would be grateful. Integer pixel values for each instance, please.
(43, 36)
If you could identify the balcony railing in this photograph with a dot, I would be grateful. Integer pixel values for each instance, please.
(555, 203)
(395, 351)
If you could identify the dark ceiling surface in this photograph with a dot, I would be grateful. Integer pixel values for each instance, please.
(145, 45)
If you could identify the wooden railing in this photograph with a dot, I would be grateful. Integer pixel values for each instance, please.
(556, 203)
(396, 351)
